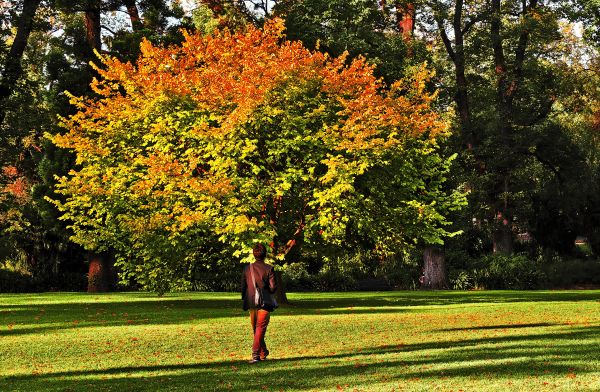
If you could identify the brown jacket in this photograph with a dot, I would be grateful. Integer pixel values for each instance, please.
(265, 279)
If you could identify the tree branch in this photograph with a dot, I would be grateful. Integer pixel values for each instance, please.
(543, 114)
(479, 18)
(548, 165)
(445, 39)
(12, 67)
(240, 5)
(108, 29)
(495, 26)
(523, 39)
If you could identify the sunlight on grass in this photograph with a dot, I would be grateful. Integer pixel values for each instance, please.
(323, 341)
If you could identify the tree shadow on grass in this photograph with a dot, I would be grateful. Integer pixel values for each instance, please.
(499, 327)
(433, 298)
(150, 310)
(53, 317)
(510, 357)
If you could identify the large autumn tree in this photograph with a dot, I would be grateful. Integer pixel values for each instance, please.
(248, 137)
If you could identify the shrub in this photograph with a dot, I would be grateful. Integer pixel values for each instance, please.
(68, 281)
(568, 273)
(461, 280)
(296, 277)
(594, 241)
(15, 282)
(330, 279)
(516, 272)
(401, 271)
(219, 278)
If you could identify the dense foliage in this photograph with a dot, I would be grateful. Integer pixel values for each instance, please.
(250, 138)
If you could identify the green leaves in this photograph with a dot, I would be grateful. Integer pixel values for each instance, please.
(244, 156)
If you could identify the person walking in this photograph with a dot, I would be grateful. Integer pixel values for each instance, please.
(259, 278)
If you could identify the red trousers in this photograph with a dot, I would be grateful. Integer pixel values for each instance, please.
(260, 320)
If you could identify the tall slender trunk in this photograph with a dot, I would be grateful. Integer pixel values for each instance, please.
(507, 85)
(456, 53)
(98, 271)
(434, 258)
(12, 66)
(462, 92)
(502, 236)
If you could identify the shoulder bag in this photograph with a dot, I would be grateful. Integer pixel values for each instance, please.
(262, 298)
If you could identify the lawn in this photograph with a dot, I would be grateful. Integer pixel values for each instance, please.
(383, 341)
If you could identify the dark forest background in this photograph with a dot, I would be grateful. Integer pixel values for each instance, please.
(521, 79)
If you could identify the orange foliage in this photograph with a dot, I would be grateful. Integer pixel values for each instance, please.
(16, 185)
(230, 74)
(147, 162)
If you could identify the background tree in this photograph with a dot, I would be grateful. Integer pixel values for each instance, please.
(505, 85)
(56, 58)
(12, 70)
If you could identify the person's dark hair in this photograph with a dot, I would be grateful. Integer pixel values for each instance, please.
(259, 251)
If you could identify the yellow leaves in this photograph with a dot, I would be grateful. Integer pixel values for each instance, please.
(147, 49)
(209, 133)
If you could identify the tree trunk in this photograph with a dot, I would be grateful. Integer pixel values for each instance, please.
(434, 269)
(503, 237)
(406, 19)
(102, 275)
(12, 66)
(457, 55)
(134, 14)
(98, 273)
(280, 294)
(508, 83)
(462, 92)
(92, 26)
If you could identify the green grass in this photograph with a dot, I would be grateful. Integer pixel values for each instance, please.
(414, 341)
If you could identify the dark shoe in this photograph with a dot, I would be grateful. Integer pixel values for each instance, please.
(265, 355)
(254, 360)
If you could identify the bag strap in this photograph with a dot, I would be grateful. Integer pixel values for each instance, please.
(252, 273)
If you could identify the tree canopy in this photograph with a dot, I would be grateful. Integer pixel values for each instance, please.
(250, 137)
